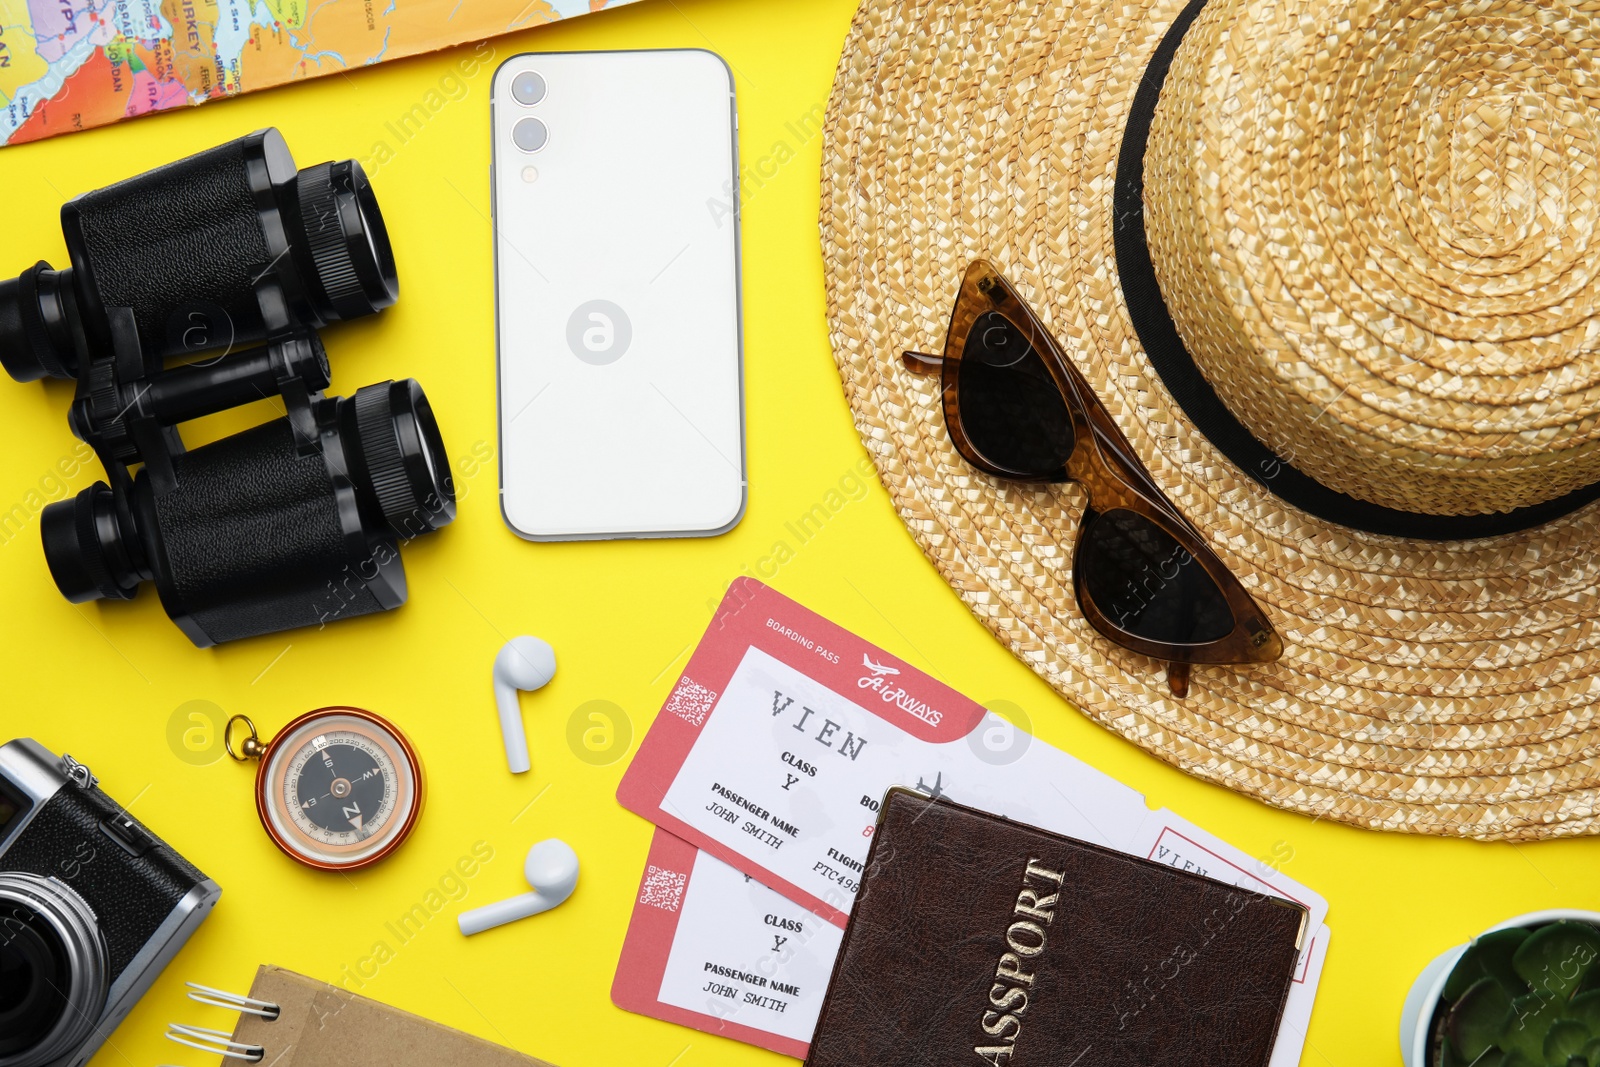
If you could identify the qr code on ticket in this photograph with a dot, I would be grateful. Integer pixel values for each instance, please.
(690, 701)
(662, 888)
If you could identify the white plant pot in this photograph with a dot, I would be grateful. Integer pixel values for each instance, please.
(1416, 1018)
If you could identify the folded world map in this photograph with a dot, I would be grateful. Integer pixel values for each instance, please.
(72, 64)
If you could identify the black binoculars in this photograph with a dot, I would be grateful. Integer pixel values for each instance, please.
(194, 288)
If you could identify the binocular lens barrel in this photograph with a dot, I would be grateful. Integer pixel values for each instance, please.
(38, 315)
(87, 548)
(186, 246)
(298, 549)
(16, 351)
(342, 232)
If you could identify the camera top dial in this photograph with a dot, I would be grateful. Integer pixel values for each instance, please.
(338, 789)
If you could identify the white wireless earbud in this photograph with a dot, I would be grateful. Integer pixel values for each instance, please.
(524, 663)
(552, 871)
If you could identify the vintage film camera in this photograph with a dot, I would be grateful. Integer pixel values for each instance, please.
(92, 907)
(194, 288)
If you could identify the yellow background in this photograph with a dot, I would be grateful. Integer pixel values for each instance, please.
(104, 681)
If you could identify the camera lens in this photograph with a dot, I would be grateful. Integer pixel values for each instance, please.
(33, 969)
(530, 134)
(53, 970)
(346, 240)
(527, 88)
(400, 451)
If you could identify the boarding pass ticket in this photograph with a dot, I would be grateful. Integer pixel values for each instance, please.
(777, 744)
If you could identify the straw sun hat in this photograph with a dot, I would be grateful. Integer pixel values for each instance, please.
(1331, 265)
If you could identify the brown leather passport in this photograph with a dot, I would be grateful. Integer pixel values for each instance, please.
(976, 939)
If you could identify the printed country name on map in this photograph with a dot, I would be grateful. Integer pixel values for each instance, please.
(754, 829)
(720, 989)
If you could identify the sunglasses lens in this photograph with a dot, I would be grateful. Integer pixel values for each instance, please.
(1011, 409)
(1148, 585)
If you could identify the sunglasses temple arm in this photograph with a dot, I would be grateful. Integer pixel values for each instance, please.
(921, 362)
(1178, 679)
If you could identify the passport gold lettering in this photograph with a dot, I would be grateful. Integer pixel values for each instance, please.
(1011, 968)
(1020, 934)
(1026, 938)
(1006, 1027)
(1034, 906)
(1036, 871)
(1008, 997)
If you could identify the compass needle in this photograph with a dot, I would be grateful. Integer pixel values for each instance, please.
(361, 766)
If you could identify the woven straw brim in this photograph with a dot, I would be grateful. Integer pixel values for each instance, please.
(1442, 688)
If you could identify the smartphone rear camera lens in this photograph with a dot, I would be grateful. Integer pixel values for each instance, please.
(527, 88)
(530, 135)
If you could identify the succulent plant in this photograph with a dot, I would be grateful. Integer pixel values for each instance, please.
(1525, 997)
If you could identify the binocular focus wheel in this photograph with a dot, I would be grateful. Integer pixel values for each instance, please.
(404, 455)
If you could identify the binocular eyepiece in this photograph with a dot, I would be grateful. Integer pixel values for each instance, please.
(194, 288)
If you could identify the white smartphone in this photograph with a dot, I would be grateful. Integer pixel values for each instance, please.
(617, 295)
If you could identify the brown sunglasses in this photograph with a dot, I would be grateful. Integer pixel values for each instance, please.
(1017, 408)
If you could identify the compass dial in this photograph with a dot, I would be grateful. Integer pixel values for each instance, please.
(339, 788)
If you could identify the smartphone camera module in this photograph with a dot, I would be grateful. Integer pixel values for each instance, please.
(528, 88)
(530, 135)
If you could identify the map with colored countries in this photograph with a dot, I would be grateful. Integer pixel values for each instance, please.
(71, 64)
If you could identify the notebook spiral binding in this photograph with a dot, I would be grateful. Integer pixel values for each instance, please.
(220, 1041)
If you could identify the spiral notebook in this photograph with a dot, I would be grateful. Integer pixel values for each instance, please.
(290, 1019)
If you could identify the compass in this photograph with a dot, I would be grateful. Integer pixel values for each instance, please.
(338, 789)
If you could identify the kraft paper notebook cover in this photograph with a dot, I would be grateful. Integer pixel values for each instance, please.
(322, 1024)
(977, 939)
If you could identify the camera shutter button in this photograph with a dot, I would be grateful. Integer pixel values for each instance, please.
(133, 838)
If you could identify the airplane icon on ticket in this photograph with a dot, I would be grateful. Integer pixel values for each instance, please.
(878, 669)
